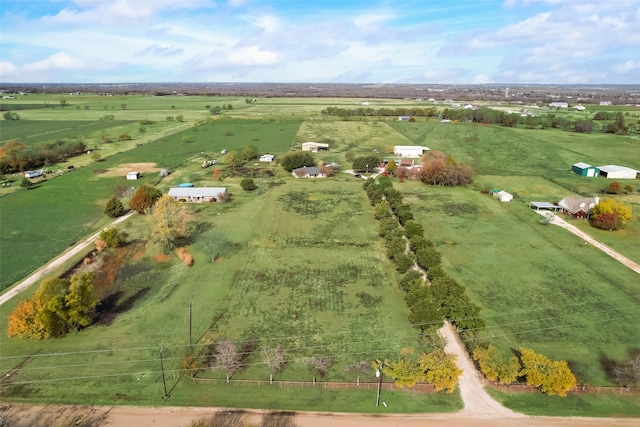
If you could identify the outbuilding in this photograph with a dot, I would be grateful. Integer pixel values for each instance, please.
(584, 169)
(32, 174)
(503, 196)
(267, 158)
(618, 172)
(409, 150)
(132, 176)
(197, 194)
(314, 146)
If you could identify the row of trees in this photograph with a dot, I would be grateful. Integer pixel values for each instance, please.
(551, 376)
(297, 159)
(16, 156)
(58, 307)
(345, 113)
(438, 297)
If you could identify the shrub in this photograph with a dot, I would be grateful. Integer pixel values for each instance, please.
(112, 237)
(124, 137)
(114, 208)
(248, 184)
(185, 256)
(613, 188)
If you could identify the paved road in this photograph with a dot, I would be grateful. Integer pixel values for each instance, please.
(56, 262)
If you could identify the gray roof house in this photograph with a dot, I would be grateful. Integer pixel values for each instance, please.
(308, 172)
(578, 207)
(197, 194)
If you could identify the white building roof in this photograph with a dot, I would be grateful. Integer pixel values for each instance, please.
(616, 168)
(196, 191)
(582, 165)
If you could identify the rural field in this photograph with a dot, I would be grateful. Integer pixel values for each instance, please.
(298, 264)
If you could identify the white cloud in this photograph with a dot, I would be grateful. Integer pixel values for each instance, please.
(58, 61)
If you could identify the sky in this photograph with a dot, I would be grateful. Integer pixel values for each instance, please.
(321, 41)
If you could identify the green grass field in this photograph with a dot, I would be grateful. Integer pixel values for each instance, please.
(300, 263)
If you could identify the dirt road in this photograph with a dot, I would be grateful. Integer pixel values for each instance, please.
(477, 402)
(56, 262)
(604, 248)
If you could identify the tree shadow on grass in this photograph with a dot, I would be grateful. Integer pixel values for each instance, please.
(111, 306)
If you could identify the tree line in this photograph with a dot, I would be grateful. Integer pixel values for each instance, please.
(16, 156)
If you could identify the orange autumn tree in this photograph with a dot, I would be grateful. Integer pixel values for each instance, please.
(59, 306)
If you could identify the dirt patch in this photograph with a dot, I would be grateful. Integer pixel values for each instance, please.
(125, 168)
(162, 258)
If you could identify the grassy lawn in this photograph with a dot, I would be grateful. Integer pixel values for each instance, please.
(537, 404)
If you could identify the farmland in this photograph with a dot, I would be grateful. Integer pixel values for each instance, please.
(298, 263)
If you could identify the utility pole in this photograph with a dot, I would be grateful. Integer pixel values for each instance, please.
(190, 326)
(379, 375)
(163, 380)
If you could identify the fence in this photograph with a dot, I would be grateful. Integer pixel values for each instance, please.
(328, 385)
(578, 390)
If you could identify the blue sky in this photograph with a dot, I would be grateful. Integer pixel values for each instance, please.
(322, 41)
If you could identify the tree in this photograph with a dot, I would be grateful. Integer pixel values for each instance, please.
(169, 223)
(495, 366)
(95, 156)
(233, 159)
(112, 237)
(320, 365)
(552, 377)
(628, 188)
(23, 321)
(80, 301)
(613, 188)
(297, 159)
(610, 214)
(114, 208)
(227, 357)
(26, 183)
(404, 372)
(440, 369)
(144, 198)
(275, 359)
(248, 153)
(11, 116)
(248, 184)
(365, 163)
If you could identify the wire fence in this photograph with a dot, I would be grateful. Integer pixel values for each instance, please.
(325, 385)
(578, 390)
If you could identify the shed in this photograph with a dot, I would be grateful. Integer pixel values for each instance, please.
(618, 172)
(503, 196)
(403, 118)
(584, 169)
(267, 158)
(409, 150)
(314, 146)
(132, 176)
(32, 174)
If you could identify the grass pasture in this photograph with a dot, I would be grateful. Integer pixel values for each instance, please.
(47, 130)
(320, 286)
(539, 286)
(298, 263)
